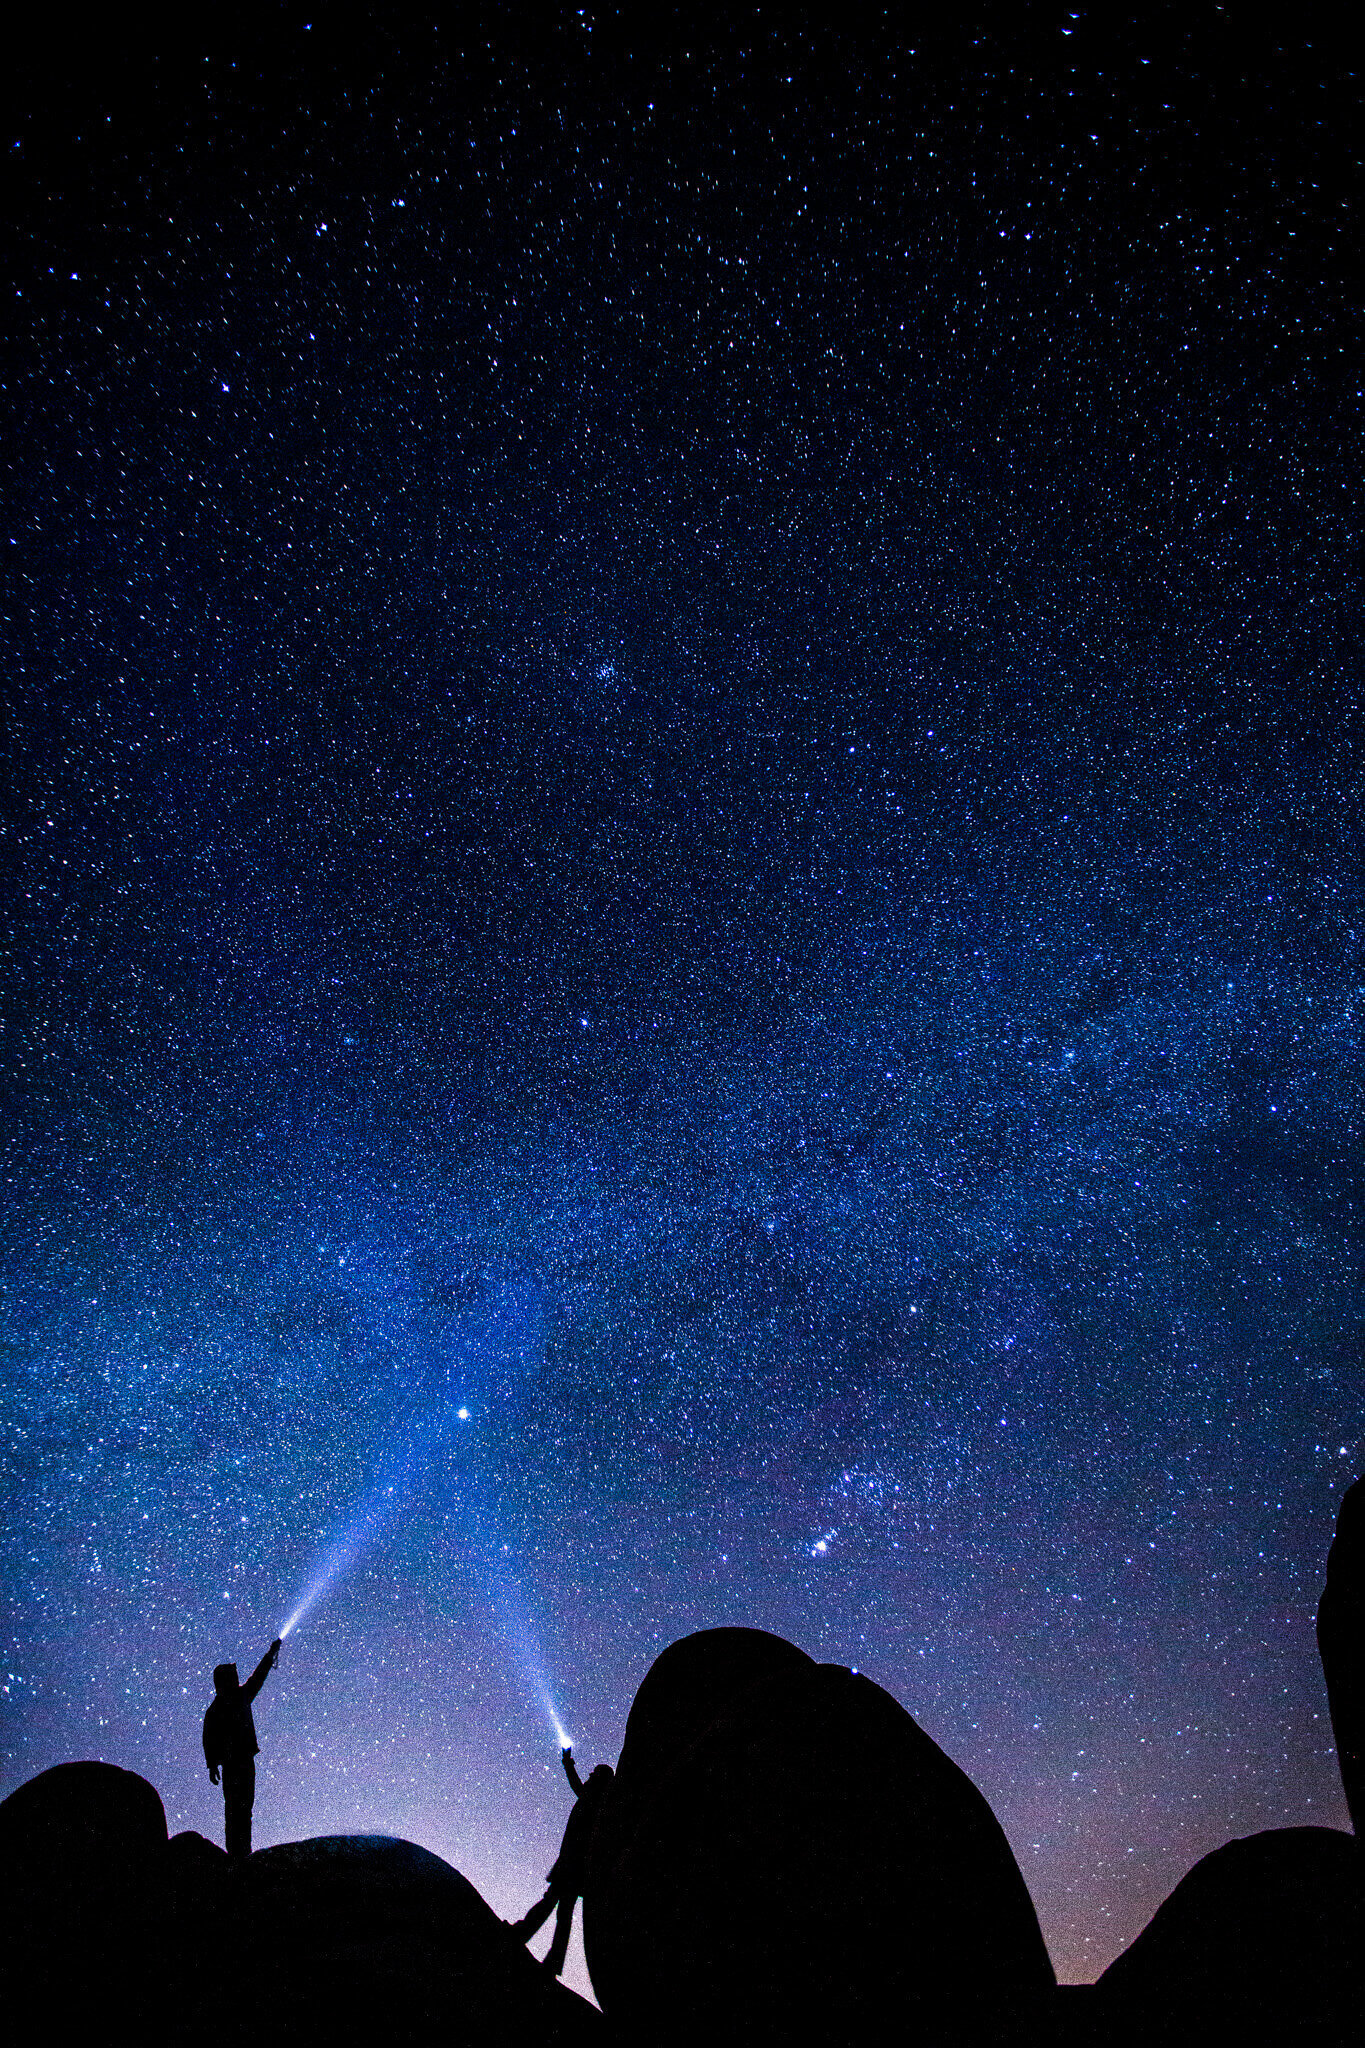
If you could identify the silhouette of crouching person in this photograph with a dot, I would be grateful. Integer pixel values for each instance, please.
(230, 1746)
(568, 1873)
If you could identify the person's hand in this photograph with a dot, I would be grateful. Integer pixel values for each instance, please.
(213, 1774)
(275, 1651)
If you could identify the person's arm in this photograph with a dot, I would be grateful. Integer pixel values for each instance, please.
(262, 1671)
(210, 1747)
(571, 1770)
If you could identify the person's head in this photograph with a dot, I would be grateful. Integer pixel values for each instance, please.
(601, 1776)
(225, 1680)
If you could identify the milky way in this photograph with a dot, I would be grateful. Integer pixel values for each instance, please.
(683, 849)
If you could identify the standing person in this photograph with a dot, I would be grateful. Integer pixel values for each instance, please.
(230, 1746)
(569, 1870)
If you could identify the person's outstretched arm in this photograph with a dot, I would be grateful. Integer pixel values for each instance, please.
(262, 1671)
(571, 1770)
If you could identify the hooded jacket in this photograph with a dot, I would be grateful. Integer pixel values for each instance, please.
(229, 1730)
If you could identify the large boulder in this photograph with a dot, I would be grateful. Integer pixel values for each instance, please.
(1341, 1645)
(360, 1938)
(786, 1857)
(1262, 1943)
(81, 1851)
(80, 1827)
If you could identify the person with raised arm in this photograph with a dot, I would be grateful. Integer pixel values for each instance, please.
(568, 1872)
(230, 1746)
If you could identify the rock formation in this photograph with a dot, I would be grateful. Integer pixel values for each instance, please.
(785, 1860)
(787, 1857)
(1341, 1645)
(110, 1932)
(82, 1853)
(1262, 1943)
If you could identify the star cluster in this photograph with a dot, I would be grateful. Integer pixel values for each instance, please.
(683, 864)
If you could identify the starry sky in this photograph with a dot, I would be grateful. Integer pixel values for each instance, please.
(682, 878)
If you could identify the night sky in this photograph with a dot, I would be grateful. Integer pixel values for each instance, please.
(683, 898)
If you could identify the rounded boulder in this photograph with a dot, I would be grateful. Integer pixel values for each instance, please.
(80, 1828)
(1262, 1942)
(787, 1856)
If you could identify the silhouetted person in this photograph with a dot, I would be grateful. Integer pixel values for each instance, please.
(1341, 1646)
(569, 1870)
(230, 1746)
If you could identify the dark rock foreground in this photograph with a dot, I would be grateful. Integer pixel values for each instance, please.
(1263, 1941)
(111, 1933)
(785, 1860)
(787, 1857)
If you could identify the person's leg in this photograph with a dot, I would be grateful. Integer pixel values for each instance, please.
(559, 1946)
(531, 1923)
(239, 1796)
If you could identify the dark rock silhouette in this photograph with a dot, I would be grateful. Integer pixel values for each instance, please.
(111, 1932)
(786, 1857)
(782, 1857)
(1079, 2020)
(81, 1850)
(1341, 1645)
(79, 1828)
(1263, 1942)
(569, 1871)
(363, 1938)
(192, 1855)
